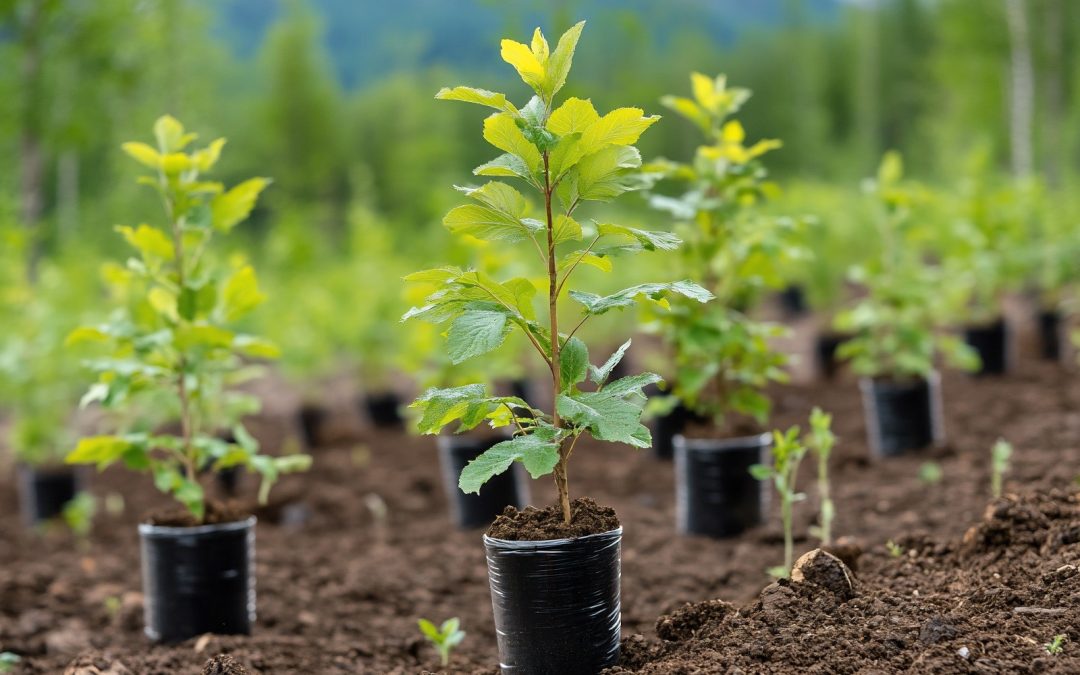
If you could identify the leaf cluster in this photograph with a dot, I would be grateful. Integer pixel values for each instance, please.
(445, 637)
(171, 337)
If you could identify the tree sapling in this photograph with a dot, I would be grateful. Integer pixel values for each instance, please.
(566, 156)
(444, 637)
(788, 451)
(171, 344)
(1000, 455)
(821, 441)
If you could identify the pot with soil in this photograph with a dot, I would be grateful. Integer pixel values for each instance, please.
(198, 579)
(715, 494)
(45, 490)
(1050, 332)
(991, 342)
(555, 589)
(383, 409)
(478, 510)
(902, 415)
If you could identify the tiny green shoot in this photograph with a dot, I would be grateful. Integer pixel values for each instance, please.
(895, 550)
(1000, 456)
(930, 473)
(8, 660)
(445, 637)
(79, 513)
(788, 451)
(1057, 645)
(821, 441)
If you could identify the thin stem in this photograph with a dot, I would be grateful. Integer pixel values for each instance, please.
(560, 472)
(577, 262)
(579, 324)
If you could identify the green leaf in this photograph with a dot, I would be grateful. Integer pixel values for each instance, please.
(170, 134)
(442, 406)
(622, 126)
(502, 131)
(100, 450)
(575, 115)
(484, 97)
(601, 263)
(229, 208)
(595, 304)
(538, 451)
(604, 175)
(430, 631)
(497, 217)
(607, 415)
(150, 242)
(476, 332)
(505, 165)
(633, 384)
(241, 294)
(558, 65)
(566, 229)
(525, 62)
(143, 154)
(761, 471)
(601, 374)
(256, 347)
(645, 239)
(203, 336)
(573, 362)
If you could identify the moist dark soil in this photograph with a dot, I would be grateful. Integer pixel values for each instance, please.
(350, 555)
(217, 512)
(223, 664)
(533, 524)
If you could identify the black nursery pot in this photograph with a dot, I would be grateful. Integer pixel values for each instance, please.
(1050, 335)
(311, 418)
(715, 495)
(991, 342)
(902, 416)
(825, 353)
(478, 510)
(198, 579)
(556, 602)
(384, 410)
(667, 427)
(793, 300)
(43, 492)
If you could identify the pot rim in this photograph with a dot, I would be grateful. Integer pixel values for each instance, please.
(165, 531)
(868, 383)
(723, 444)
(549, 543)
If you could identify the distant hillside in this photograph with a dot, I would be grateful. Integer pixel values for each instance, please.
(370, 38)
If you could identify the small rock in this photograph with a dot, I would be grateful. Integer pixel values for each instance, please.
(936, 630)
(963, 652)
(826, 571)
(223, 664)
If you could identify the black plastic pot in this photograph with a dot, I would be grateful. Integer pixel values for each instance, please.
(825, 353)
(667, 427)
(311, 417)
(556, 602)
(793, 300)
(384, 410)
(715, 495)
(43, 492)
(478, 510)
(1050, 335)
(198, 580)
(991, 342)
(902, 416)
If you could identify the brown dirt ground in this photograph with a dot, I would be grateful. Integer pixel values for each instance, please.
(350, 555)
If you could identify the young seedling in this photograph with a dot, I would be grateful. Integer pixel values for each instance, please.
(565, 155)
(79, 513)
(895, 550)
(445, 637)
(8, 661)
(820, 442)
(1056, 645)
(999, 464)
(171, 344)
(930, 473)
(787, 452)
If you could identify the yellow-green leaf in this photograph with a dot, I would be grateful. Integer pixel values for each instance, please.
(203, 335)
(501, 131)
(492, 99)
(566, 229)
(163, 302)
(622, 126)
(558, 66)
(573, 115)
(100, 450)
(85, 334)
(149, 241)
(170, 134)
(206, 158)
(241, 294)
(231, 207)
(524, 62)
(143, 154)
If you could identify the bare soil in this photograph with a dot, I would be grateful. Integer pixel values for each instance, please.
(350, 555)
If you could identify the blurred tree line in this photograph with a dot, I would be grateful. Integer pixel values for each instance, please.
(839, 82)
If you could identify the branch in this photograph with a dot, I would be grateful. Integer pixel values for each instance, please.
(576, 263)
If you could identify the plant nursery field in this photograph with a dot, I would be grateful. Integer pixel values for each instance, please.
(350, 554)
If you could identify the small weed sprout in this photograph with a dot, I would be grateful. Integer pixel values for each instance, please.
(895, 550)
(79, 513)
(788, 452)
(8, 660)
(999, 463)
(1057, 645)
(821, 441)
(930, 473)
(445, 637)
